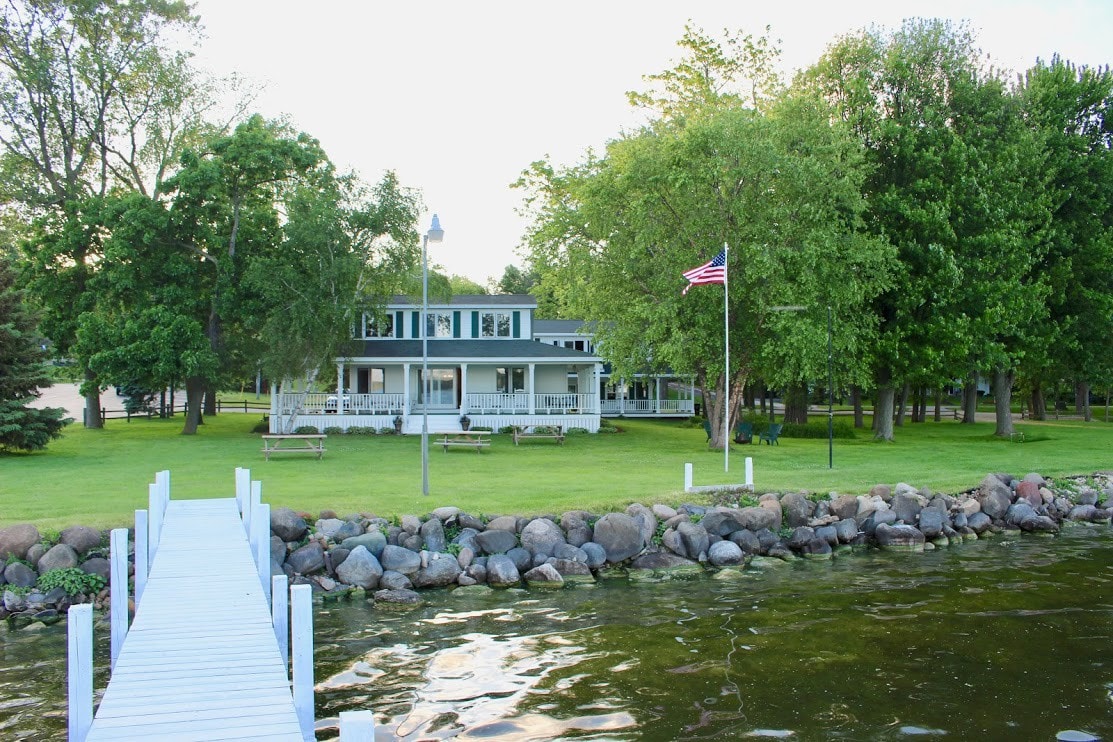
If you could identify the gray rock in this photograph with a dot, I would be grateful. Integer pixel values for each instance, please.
(334, 557)
(502, 572)
(979, 522)
(568, 568)
(693, 541)
(400, 559)
(797, 509)
(767, 539)
(522, 559)
(444, 513)
(96, 566)
(413, 542)
(496, 541)
(278, 549)
(877, 518)
(374, 541)
(16, 540)
(391, 580)
(846, 530)
(440, 569)
(568, 551)
(35, 553)
(541, 536)
(81, 539)
(400, 598)
(884, 491)
(503, 523)
(960, 520)
(1029, 491)
(348, 529)
(1086, 497)
(287, 524)
(60, 556)
(903, 488)
(662, 562)
(544, 575)
(361, 568)
(725, 554)
(756, 518)
(781, 551)
(596, 554)
(800, 537)
(845, 506)
(477, 572)
(931, 522)
(1035, 478)
(432, 532)
(828, 534)
(411, 524)
(773, 505)
(328, 527)
(644, 518)
(14, 602)
(817, 548)
(747, 541)
(619, 535)
(663, 512)
(994, 496)
(308, 559)
(19, 574)
(466, 539)
(907, 505)
(899, 537)
(722, 522)
(465, 557)
(466, 520)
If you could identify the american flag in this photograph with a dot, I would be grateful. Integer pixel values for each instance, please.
(712, 272)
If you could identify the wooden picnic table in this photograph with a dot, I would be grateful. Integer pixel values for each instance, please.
(294, 443)
(477, 439)
(555, 432)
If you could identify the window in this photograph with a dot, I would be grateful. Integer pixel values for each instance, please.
(438, 324)
(376, 378)
(511, 379)
(574, 344)
(378, 326)
(494, 325)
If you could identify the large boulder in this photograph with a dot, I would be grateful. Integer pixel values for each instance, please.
(19, 574)
(496, 541)
(81, 539)
(756, 518)
(16, 540)
(361, 568)
(392, 580)
(439, 570)
(846, 530)
(596, 555)
(59, 556)
(747, 541)
(400, 559)
(544, 575)
(907, 505)
(797, 509)
(619, 535)
(541, 536)
(98, 566)
(931, 522)
(576, 529)
(374, 541)
(725, 554)
(432, 532)
(287, 524)
(844, 506)
(308, 559)
(979, 522)
(662, 563)
(722, 522)
(693, 541)
(645, 518)
(900, 537)
(503, 523)
(1030, 492)
(994, 496)
(502, 572)
(773, 505)
(570, 570)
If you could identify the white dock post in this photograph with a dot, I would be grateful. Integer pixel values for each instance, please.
(280, 616)
(118, 590)
(261, 547)
(301, 599)
(141, 568)
(687, 477)
(357, 726)
(79, 631)
(243, 488)
(750, 473)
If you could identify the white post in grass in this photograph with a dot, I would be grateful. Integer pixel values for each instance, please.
(79, 630)
(687, 477)
(750, 473)
(357, 726)
(118, 590)
(280, 617)
(262, 547)
(301, 599)
(141, 564)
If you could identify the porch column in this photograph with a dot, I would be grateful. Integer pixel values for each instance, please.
(657, 404)
(598, 377)
(532, 390)
(621, 389)
(463, 388)
(405, 388)
(340, 388)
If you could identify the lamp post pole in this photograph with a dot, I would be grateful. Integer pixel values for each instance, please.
(435, 234)
(830, 397)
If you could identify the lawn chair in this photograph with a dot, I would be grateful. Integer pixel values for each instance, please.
(744, 433)
(707, 428)
(771, 434)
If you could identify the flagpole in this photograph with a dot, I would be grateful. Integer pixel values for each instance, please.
(726, 358)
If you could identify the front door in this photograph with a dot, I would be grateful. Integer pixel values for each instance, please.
(442, 388)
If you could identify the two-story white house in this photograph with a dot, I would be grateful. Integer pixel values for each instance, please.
(489, 359)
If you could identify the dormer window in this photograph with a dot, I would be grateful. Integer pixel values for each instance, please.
(438, 324)
(494, 325)
(378, 326)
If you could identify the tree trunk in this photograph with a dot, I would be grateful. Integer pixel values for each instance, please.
(1037, 404)
(93, 418)
(902, 404)
(970, 401)
(796, 404)
(856, 400)
(1082, 400)
(883, 412)
(210, 400)
(195, 389)
(748, 394)
(761, 397)
(1002, 402)
(938, 417)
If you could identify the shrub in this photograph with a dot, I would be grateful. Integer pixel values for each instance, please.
(263, 426)
(388, 430)
(506, 429)
(608, 429)
(306, 430)
(363, 430)
(72, 580)
(576, 431)
(334, 430)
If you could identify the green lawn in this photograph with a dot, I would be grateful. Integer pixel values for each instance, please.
(99, 478)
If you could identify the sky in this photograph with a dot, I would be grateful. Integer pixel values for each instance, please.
(458, 98)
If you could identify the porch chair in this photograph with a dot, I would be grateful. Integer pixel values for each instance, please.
(707, 428)
(771, 433)
(744, 433)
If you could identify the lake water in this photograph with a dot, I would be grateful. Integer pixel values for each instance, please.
(1008, 638)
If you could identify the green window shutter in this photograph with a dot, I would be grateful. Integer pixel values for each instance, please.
(475, 324)
(517, 325)
(399, 326)
(416, 325)
(456, 324)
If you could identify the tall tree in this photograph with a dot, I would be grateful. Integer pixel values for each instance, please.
(515, 280)
(21, 427)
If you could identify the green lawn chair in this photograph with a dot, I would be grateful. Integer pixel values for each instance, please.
(707, 428)
(744, 433)
(771, 434)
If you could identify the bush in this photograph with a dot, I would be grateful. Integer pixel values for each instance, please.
(72, 580)
(814, 428)
(389, 430)
(306, 430)
(334, 430)
(608, 429)
(506, 429)
(576, 431)
(263, 426)
(695, 421)
(363, 430)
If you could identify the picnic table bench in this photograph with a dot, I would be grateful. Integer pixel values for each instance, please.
(294, 443)
(477, 439)
(555, 432)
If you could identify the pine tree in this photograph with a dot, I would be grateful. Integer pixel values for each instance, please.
(22, 374)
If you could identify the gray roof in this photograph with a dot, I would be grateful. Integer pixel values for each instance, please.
(526, 301)
(557, 326)
(465, 350)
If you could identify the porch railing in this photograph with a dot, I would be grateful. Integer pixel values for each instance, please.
(519, 402)
(648, 406)
(320, 403)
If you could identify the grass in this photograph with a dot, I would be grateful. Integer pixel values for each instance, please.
(99, 478)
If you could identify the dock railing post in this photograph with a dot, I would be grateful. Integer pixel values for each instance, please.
(301, 599)
(118, 590)
(79, 638)
(141, 564)
(261, 547)
(280, 617)
(243, 490)
(357, 726)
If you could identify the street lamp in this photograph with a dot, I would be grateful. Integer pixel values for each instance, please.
(830, 383)
(435, 234)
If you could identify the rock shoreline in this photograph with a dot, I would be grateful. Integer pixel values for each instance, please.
(392, 561)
